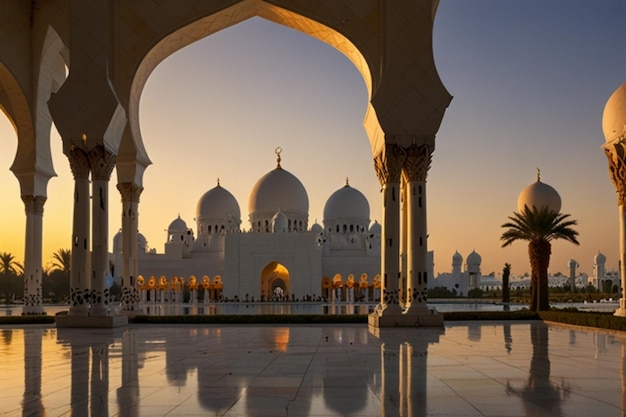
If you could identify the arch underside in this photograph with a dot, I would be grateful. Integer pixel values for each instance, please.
(216, 22)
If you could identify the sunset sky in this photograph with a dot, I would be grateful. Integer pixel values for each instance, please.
(529, 79)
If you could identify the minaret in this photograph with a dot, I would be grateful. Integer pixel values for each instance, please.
(614, 128)
(598, 270)
(572, 265)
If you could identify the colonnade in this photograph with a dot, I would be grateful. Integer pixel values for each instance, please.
(93, 100)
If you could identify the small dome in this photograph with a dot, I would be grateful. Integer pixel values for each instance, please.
(473, 259)
(317, 229)
(178, 225)
(280, 223)
(599, 259)
(614, 115)
(539, 195)
(375, 229)
(217, 204)
(457, 258)
(142, 242)
(347, 203)
(279, 189)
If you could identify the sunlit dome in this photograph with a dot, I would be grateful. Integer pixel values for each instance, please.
(473, 259)
(178, 225)
(278, 190)
(599, 259)
(317, 228)
(347, 203)
(614, 115)
(539, 195)
(457, 258)
(142, 242)
(375, 229)
(217, 204)
(118, 240)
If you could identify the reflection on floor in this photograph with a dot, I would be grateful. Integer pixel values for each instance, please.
(466, 369)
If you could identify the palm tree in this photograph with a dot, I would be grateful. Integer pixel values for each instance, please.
(9, 270)
(506, 273)
(539, 228)
(61, 260)
(58, 283)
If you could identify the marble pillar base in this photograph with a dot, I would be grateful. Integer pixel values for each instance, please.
(429, 318)
(105, 322)
(621, 311)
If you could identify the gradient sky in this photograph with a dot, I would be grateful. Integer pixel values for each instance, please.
(529, 79)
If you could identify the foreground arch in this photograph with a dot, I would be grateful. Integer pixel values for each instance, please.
(113, 46)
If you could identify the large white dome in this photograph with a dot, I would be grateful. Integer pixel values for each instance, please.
(347, 203)
(278, 190)
(614, 115)
(539, 195)
(217, 204)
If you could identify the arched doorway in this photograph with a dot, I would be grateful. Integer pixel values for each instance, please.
(275, 282)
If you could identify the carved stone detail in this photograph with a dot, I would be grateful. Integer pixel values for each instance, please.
(129, 191)
(417, 162)
(388, 164)
(616, 155)
(102, 163)
(79, 163)
(130, 298)
(391, 296)
(34, 204)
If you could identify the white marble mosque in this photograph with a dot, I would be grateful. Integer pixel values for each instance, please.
(278, 257)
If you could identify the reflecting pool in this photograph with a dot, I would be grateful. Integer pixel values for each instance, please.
(464, 369)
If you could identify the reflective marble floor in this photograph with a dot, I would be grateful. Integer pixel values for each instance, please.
(466, 369)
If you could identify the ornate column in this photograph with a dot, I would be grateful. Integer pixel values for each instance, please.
(79, 275)
(130, 202)
(102, 163)
(388, 165)
(416, 168)
(32, 254)
(616, 154)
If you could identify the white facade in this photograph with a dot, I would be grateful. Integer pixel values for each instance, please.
(279, 250)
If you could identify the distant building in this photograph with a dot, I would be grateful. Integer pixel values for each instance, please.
(279, 256)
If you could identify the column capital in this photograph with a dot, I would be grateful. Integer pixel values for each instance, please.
(34, 204)
(79, 163)
(102, 163)
(388, 164)
(616, 154)
(130, 191)
(417, 162)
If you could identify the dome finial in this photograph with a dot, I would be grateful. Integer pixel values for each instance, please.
(218, 181)
(347, 182)
(278, 151)
(538, 175)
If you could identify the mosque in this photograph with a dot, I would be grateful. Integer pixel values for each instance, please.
(279, 256)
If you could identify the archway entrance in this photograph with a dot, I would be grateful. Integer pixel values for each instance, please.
(275, 282)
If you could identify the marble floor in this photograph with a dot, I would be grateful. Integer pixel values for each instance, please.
(465, 369)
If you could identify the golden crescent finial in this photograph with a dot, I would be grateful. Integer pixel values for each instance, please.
(538, 174)
(347, 182)
(278, 151)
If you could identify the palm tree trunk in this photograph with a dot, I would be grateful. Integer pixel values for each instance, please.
(539, 252)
